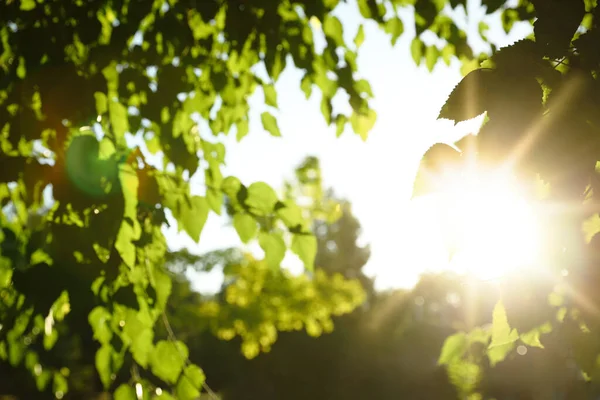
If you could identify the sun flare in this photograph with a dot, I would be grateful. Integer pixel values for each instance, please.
(489, 226)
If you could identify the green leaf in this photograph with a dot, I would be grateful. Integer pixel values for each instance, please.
(590, 227)
(532, 338)
(190, 383)
(167, 360)
(270, 124)
(261, 198)
(416, 50)
(125, 392)
(193, 216)
(270, 95)
(215, 200)
(306, 85)
(360, 36)
(99, 319)
(140, 336)
(290, 214)
(274, 248)
(245, 226)
(326, 109)
(27, 5)
(395, 28)
(101, 103)
(501, 332)
(242, 129)
(362, 123)
(104, 364)
(340, 123)
(305, 246)
(454, 348)
(332, 27)
(118, 121)
(431, 56)
(124, 243)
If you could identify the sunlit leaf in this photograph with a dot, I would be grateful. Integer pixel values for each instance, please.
(261, 197)
(125, 392)
(270, 124)
(167, 360)
(245, 226)
(305, 246)
(274, 248)
(453, 349)
(193, 216)
(360, 36)
(190, 383)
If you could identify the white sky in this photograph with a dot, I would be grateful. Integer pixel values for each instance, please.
(376, 175)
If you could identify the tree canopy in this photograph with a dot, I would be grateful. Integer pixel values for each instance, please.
(108, 108)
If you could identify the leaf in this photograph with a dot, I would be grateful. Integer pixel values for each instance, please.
(470, 97)
(274, 248)
(104, 364)
(99, 319)
(501, 332)
(340, 123)
(242, 129)
(193, 216)
(270, 124)
(261, 198)
(453, 349)
(532, 338)
(190, 383)
(332, 27)
(124, 243)
(305, 246)
(101, 103)
(431, 56)
(118, 121)
(270, 95)
(416, 50)
(395, 28)
(167, 360)
(245, 226)
(125, 392)
(360, 36)
(27, 5)
(362, 123)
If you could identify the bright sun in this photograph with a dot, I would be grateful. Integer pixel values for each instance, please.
(489, 226)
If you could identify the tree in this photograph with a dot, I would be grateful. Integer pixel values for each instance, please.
(87, 91)
(541, 104)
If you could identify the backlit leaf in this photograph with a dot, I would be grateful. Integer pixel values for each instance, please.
(305, 246)
(190, 383)
(193, 216)
(245, 226)
(453, 349)
(270, 124)
(274, 248)
(167, 360)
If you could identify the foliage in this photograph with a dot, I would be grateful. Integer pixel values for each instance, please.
(541, 103)
(88, 91)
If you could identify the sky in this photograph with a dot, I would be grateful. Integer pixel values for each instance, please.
(376, 176)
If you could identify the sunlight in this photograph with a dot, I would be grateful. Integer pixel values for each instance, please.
(489, 226)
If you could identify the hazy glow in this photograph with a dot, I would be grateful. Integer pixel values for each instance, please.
(489, 226)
